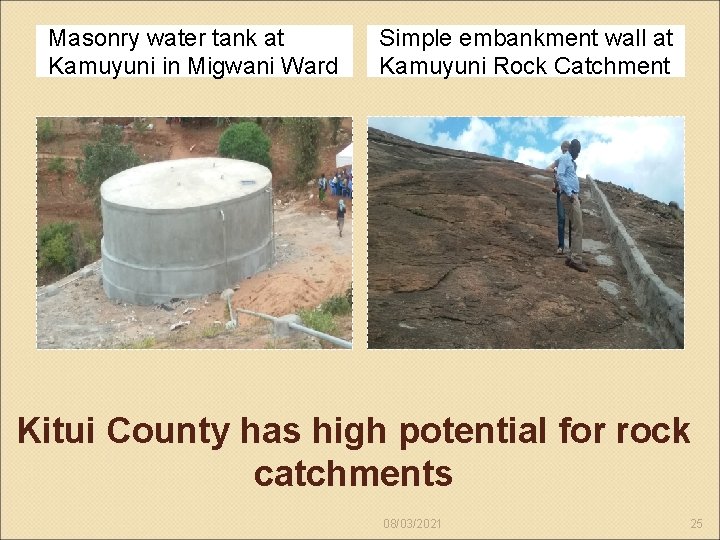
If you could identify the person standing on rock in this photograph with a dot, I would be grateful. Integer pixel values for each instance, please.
(569, 187)
(341, 215)
(558, 203)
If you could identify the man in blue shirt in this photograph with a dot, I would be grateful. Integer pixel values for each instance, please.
(569, 187)
(558, 204)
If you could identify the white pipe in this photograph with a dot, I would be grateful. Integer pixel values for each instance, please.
(327, 337)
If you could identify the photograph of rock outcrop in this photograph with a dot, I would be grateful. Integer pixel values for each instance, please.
(467, 249)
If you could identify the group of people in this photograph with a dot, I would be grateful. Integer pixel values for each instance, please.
(568, 204)
(340, 185)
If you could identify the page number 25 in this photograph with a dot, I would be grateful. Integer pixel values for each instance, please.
(696, 523)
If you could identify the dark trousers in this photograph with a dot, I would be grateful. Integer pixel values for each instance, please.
(560, 222)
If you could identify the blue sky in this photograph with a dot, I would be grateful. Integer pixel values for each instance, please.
(644, 153)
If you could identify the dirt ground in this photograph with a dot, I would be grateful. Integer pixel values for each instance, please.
(309, 268)
(461, 254)
(312, 263)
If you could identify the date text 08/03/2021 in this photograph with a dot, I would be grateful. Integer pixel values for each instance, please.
(411, 523)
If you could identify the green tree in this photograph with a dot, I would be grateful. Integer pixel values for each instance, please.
(55, 247)
(335, 122)
(245, 140)
(103, 159)
(141, 125)
(305, 134)
(57, 165)
(46, 131)
(63, 247)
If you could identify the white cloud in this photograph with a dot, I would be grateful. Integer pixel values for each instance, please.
(507, 150)
(645, 154)
(535, 157)
(531, 140)
(477, 137)
(503, 123)
(535, 123)
(528, 124)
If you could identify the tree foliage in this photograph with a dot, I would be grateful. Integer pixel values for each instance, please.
(62, 247)
(55, 247)
(305, 134)
(103, 159)
(245, 140)
(335, 122)
(46, 131)
(57, 165)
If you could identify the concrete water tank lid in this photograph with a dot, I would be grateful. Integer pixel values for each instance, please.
(185, 183)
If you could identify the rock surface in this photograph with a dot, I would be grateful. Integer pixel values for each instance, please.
(461, 254)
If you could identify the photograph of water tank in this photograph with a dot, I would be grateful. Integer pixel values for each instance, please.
(194, 232)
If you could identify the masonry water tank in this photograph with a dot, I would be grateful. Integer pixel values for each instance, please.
(185, 228)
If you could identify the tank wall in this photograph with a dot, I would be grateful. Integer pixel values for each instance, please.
(151, 256)
(246, 223)
(182, 237)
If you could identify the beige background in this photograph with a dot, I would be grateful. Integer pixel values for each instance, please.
(551, 490)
